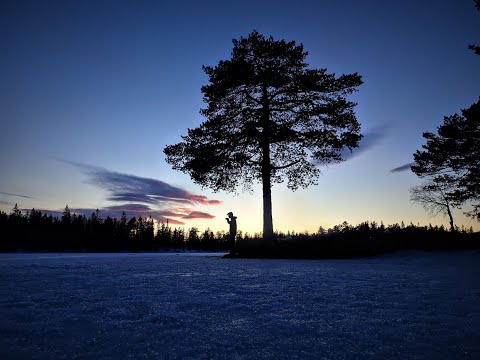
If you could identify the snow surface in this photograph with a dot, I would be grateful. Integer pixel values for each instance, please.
(167, 306)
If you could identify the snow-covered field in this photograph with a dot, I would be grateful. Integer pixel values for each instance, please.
(168, 306)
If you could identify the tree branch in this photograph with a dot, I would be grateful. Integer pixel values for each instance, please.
(250, 97)
(285, 166)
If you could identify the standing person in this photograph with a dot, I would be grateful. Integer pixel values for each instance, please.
(232, 221)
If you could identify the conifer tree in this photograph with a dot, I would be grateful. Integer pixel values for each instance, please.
(269, 118)
(450, 159)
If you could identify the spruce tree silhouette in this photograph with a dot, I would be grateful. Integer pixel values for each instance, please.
(66, 216)
(268, 118)
(16, 211)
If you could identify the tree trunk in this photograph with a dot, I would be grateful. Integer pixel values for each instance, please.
(452, 227)
(268, 235)
(449, 212)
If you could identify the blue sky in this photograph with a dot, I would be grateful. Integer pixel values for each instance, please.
(94, 90)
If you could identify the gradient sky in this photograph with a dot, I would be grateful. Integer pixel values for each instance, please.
(92, 91)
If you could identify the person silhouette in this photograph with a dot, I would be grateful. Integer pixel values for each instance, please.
(232, 221)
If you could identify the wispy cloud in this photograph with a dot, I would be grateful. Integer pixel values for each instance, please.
(200, 199)
(16, 195)
(134, 210)
(406, 167)
(140, 196)
(198, 215)
(369, 140)
(132, 188)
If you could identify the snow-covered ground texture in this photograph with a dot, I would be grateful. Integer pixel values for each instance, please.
(183, 306)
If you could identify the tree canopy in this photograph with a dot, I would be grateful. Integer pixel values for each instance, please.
(476, 48)
(450, 162)
(269, 118)
(451, 158)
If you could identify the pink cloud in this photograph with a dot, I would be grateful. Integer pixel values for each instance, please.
(138, 196)
(198, 215)
(203, 200)
(173, 222)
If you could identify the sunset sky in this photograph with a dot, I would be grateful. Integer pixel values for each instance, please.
(92, 91)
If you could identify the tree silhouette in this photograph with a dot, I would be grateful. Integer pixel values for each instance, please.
(193, 239)
(451, 158)
(268, 118)
(434, 200)
(66, 216)
(475, 48)
(451, 162)
(164, 235)
(16, 211)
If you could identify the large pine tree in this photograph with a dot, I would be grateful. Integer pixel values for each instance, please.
(269, 117)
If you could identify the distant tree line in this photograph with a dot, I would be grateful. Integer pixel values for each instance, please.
(37, 231)
(365, 239)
